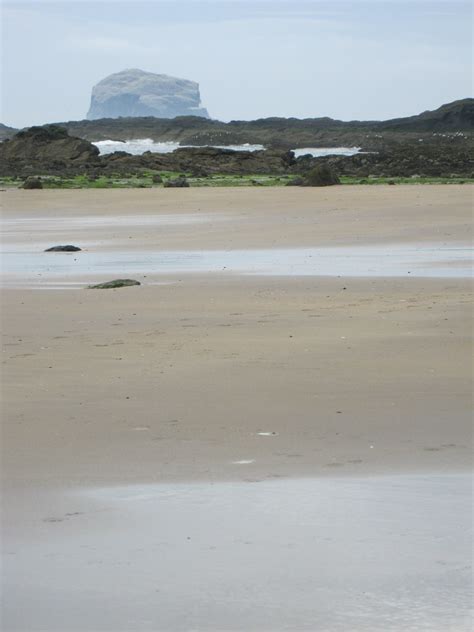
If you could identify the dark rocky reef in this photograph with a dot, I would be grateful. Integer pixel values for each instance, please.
(452, 117)
(405, 160)
(455, 120)
(50, 150)
(322, 175)
(201, 160)
(47, 149)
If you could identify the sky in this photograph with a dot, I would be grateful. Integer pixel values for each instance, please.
(252, 58)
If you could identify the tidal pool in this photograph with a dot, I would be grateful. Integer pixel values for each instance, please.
(20, 266)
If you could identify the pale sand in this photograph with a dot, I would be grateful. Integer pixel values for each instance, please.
(166, 383)
(206, 363)
(262, 217)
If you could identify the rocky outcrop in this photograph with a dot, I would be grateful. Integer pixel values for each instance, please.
(455, 120)
(202, 160)
(133, 93)
(50, 151)
(404, 160)
(50, 147)
(320, 176)
(451, 117)
(6, 132)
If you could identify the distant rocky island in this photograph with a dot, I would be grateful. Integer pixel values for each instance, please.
(135, 93)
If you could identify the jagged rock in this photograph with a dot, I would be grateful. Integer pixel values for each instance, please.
(46, 148)
(111, 285)
(67, 248)
(134, 92)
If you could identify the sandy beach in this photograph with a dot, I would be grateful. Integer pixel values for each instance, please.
(228, 378)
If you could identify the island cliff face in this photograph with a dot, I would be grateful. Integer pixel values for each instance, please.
(132, 93)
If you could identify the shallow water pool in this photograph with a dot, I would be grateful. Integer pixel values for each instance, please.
(20, 266)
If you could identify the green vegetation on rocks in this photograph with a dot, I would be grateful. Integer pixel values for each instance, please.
(32, 183)
(145, 180)
(177, 183)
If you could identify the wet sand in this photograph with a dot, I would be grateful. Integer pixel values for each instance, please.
(202, 379)
(378, 553)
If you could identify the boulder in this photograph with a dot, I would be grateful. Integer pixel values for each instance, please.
(112, 285)
(67, 248)
(321, 176)
(134, 92)
(32, 183)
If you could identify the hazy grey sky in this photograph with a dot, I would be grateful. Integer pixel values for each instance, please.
(358, 59)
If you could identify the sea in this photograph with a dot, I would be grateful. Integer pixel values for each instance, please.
(139, 146)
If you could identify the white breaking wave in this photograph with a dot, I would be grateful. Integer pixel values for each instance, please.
(135, 147)
(326, 151)
(141, 145)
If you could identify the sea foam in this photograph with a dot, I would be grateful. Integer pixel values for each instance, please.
(139, 146)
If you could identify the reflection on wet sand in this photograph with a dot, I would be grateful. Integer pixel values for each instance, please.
(393, 260)
(379, 553)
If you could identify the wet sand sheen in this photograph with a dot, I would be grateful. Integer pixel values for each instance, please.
(307, 428)
(394, 260)
(333, 554)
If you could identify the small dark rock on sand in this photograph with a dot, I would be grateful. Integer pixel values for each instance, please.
(111, 285)
(67, 248)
